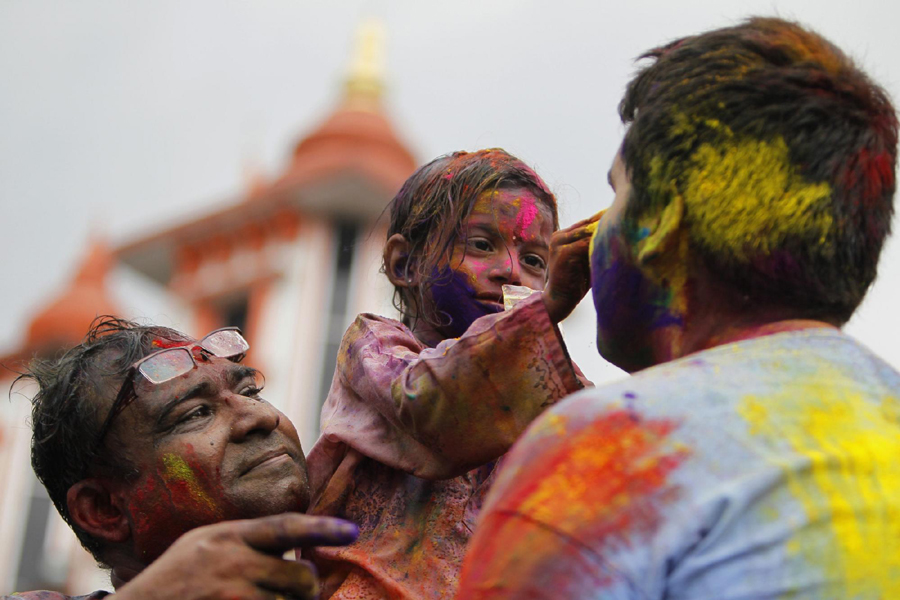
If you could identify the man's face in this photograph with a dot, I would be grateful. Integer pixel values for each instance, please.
(205, 448)
(633, 300)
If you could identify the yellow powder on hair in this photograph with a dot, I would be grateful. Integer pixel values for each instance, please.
(851, 485)
(744, 198)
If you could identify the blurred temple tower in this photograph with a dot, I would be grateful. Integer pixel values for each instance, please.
(291, 262)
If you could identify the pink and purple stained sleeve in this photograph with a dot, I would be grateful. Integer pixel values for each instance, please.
(439, 412)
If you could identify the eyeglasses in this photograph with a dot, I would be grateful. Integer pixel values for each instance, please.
(169, 363)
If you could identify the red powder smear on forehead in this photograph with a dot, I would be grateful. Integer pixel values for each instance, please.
(164, 343)
(527, 214)
(606, 481)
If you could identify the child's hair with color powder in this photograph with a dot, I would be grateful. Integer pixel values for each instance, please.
(431, 208)
(783, 154)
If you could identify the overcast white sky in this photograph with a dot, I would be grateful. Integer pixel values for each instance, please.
(124, 117)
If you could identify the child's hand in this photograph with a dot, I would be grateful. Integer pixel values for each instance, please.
(570, 268)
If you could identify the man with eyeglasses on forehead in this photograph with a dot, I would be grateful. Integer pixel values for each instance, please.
(159, 452)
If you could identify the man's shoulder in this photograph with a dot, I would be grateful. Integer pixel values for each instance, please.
(48, 595)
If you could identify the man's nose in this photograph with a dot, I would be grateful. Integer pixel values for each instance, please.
(253, 416)
(507, 269)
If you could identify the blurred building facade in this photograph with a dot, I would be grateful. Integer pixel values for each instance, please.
(291, 261)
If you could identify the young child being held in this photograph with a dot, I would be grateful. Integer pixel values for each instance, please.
(420, 411)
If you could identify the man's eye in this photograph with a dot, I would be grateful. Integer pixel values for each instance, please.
(534, 261)
(252, 392)
(197, 413)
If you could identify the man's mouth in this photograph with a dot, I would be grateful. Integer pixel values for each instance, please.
(268, 459)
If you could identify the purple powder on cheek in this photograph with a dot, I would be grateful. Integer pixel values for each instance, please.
(628, 304)
(454, 301)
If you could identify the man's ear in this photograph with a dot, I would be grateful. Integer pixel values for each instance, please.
(664, 231)
(97, 509)
(397, 262)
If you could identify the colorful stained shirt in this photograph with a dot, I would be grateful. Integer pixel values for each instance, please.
(767, 468)
(410, 439)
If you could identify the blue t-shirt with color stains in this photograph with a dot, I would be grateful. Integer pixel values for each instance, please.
(767, 468)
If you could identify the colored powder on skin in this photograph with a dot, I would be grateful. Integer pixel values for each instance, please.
(607, 478)
(144, 497)
(625, 298)
(629, 298)
(851, 484)
(592, 244)
(164, 343)
(184, 485)
(743, 199)
(525, 217)
(454, 299)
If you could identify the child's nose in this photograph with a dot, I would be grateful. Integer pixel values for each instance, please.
(507, 270)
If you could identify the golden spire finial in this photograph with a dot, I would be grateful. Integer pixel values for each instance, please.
(365, 79)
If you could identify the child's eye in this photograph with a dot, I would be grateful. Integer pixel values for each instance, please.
(480, 244)
(534, 261)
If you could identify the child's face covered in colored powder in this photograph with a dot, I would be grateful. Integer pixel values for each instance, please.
(205, 448)
(505, 240)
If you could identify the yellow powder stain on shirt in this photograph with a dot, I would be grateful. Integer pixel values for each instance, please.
(552, 424)
(853, 482)
(745, 198)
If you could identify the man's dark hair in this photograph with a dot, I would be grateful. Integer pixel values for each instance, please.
(67, 411)
(783, 153)
(433, 204)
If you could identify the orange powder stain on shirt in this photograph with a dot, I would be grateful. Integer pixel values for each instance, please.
(580, 491)
(595, 477)
(602, 484)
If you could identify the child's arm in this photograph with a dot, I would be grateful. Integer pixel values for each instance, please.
(438, 412)
(470, 399)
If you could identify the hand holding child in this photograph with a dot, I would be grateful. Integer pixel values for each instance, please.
(570, 269)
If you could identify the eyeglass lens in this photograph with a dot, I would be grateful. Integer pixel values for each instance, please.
(167, 365)
(225, 344)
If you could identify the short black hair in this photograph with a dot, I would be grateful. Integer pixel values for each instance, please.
(66, 416)
(433, 204)
(783, 152)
